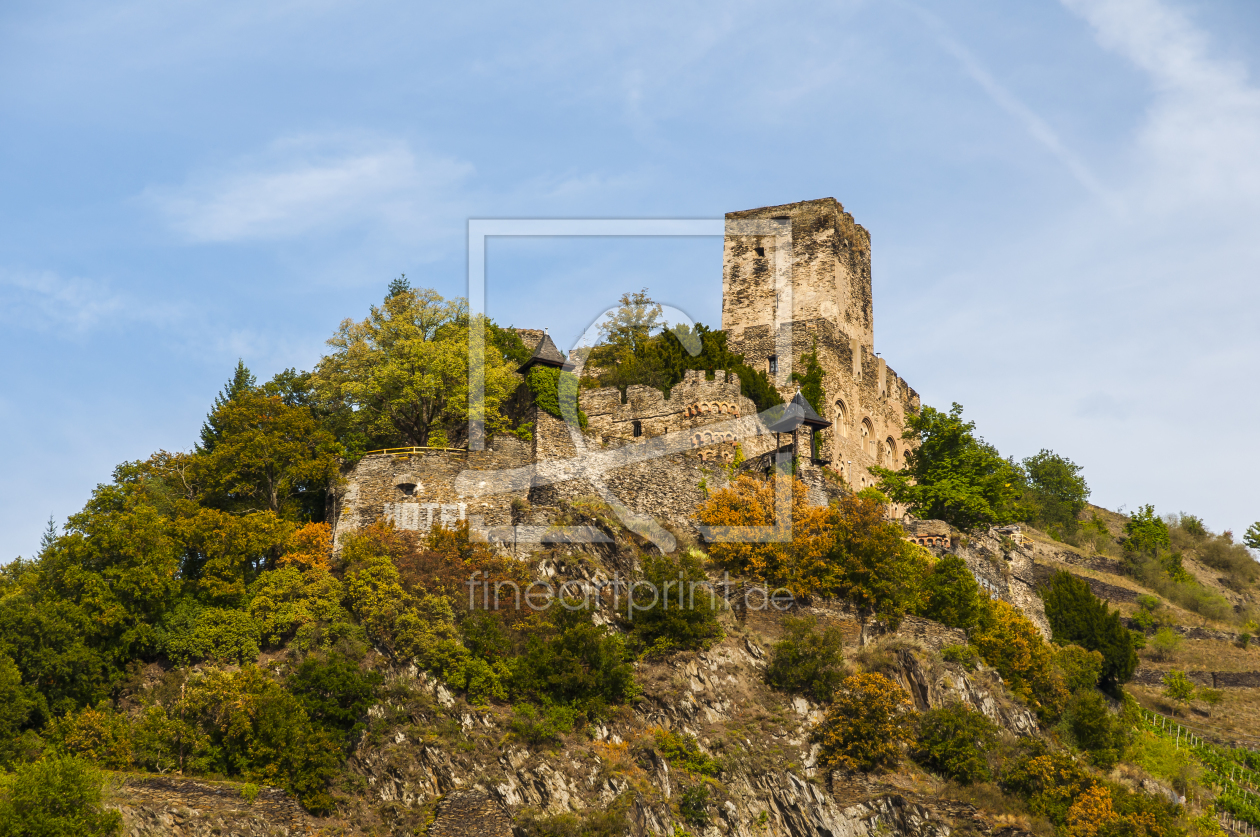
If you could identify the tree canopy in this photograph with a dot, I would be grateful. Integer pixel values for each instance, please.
(952, 474)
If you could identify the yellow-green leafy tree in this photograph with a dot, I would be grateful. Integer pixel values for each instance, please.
(869, 721)
(404, 370)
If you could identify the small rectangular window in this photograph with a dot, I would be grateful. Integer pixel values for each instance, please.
(760, 251)
(774, 365)
(638, 428)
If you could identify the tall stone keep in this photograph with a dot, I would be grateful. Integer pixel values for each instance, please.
(830, 270)
(796, 278)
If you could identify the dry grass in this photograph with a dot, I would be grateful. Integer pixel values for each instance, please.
(1237, 719)
(1206, 655)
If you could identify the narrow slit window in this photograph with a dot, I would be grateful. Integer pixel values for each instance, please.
(637, 428)
(774, 364)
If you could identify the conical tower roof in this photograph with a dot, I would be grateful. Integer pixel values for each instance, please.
(809, 417)
(545, 354)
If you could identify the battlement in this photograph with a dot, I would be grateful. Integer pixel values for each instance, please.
(646, 411)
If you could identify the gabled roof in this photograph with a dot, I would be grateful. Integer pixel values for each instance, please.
(545, 354)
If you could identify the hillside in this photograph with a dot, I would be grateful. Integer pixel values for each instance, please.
(210, 647)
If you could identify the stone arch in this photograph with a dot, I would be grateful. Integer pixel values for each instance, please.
(842, 419)
(697, 440)
(868, 437)
(891, 444)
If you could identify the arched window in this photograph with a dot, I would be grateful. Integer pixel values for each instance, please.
(842, 420)
(868, 437)
(892, 451)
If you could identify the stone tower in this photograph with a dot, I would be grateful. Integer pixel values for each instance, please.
(804, 282)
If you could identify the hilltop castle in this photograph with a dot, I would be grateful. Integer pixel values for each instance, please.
(796, 279)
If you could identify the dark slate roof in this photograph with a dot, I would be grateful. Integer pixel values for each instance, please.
(546, 354)
(810, 417)
(788, 417)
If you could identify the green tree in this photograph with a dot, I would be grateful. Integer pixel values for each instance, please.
(953, 475)
(242, 381)
(954, 740)
(1212, 697)
(57, 796)
(266, 455)
(572, 660)
(1178, 688)
(1057, 491)
(636, 319)
(404, 371)
(1166, 643)
(1252, 539)
(806, 661)
(1145, 533)
(951, 595)
(1097, 730)
(1078, 617)
(335, 692)
(18, 702)
(682, 614)
(868, 722)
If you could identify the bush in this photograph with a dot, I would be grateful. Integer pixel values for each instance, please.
(57, 796)
(541, 725)
(683, 612)
(951, 595)
(693, 805)
(683, 752)
(18, 703)
(1165, 644)
(571, 660)
(1008, 642)
(1077, 616)
(1096, 729)
(334, 692)
(954, 740)
(806, 662)
(964, 655)
(99, 735)
(612, 822)
(1178, 687)
(868, 722)
(193, 633)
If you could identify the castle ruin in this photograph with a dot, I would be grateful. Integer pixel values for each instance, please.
(796, 279)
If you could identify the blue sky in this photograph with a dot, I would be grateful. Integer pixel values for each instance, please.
(1064, 201)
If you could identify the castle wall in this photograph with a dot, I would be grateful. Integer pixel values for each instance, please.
(375, 488)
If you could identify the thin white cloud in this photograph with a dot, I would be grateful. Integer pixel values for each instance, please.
(1202, 129)
(45, 300)
(1037, 128)
(303, 185)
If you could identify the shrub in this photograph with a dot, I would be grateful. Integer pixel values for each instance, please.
(1096, 729)
(683, 751)
(951, 595)
(1165, 643)
(1077, 616)
(680, 616)
(99, 735)
(807, 662)
(334, 692)
(290, 604)
(1232, 559)
(245, 724)
(866, 725)
(541, 725)
(17, 703)
(1013, 645)
(612, 822)
(57, 796)
(964, 655)
(693, 805)
(193, 633)
(954, 740)
(571, 660)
